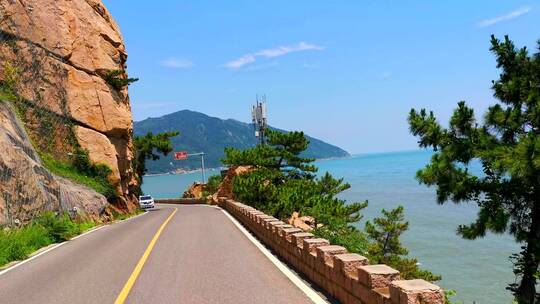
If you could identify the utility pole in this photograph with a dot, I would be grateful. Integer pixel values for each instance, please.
(260, 123)
(202, 164)
(182, 155)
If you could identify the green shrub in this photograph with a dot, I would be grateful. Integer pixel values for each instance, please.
(48, 228)
(213, 183)
(17, 244)
(6, 94)
(11, 78)
(59, 227)
(117, 79)
(354, 240)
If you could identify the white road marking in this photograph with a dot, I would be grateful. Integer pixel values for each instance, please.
(60, 244)
(136, 216)
(315, 297)
(88, 232)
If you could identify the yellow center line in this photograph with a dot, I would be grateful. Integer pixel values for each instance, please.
(129, 284)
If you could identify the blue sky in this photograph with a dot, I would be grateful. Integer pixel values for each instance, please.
(347, 72)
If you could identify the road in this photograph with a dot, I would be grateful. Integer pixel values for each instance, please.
(199, 257)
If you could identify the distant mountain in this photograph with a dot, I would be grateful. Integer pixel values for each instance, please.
(200, 132)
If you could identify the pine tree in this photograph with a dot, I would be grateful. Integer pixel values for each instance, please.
(284, 182)
(282, 153)
(507, 145)
(147, 147)
(386, 248)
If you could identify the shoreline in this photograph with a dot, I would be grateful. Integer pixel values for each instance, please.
(189, 171)
(182, 172)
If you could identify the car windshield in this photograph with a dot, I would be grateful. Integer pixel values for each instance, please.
(146, 197)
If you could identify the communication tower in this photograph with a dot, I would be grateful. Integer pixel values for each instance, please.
(258, 113)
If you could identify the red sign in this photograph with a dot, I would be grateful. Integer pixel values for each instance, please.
(180, 155)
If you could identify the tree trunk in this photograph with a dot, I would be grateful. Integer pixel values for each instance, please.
(526, 292)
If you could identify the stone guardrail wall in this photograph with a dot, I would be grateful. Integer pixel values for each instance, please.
(346, 276)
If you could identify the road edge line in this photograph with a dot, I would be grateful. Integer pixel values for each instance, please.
(134, 217)
(54, 246)
(124, 293)
(88, 232)
(31, 258)
(308, 291)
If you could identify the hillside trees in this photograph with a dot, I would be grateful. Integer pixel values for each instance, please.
(284, 182)
(507, 145)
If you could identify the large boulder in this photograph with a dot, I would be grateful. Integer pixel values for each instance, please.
(195, 190)
(306, 222)
(62, 51)
(225, 189)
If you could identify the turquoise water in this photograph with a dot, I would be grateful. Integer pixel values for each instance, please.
(478, 270)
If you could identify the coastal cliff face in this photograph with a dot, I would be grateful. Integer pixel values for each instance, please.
(61, 52)
(27, 188)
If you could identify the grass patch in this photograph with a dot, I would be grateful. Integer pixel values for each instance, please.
(6, 95)
(99, 183)
(48, 228)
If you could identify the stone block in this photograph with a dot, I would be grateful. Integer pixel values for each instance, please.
(310, 245)
(347, 263)
(287, 232)
(377, 276)
(415, 292)
(381, 295)
(269, 220)
(277, 226)
(261, 217)
(325, 254)
(299, 238)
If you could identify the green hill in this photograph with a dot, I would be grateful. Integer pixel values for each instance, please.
(200, 132)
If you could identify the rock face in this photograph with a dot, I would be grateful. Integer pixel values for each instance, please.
(306, 222)
(27, 188)
(61, 51)
(195, 190)
(226, 187)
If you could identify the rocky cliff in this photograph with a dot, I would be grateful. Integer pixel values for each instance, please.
(57, 54)
(27, 188)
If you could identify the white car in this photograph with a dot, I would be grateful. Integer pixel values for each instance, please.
(146, 201)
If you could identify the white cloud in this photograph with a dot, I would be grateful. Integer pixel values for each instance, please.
(511, 15)
(177, 63)
(240, 62)
(284, 50)
(271, 53)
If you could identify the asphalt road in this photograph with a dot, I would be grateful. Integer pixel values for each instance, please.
(200, 257)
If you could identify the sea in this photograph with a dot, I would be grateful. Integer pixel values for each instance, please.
(478, 270)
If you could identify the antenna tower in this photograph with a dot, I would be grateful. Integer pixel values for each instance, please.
(258, 113)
